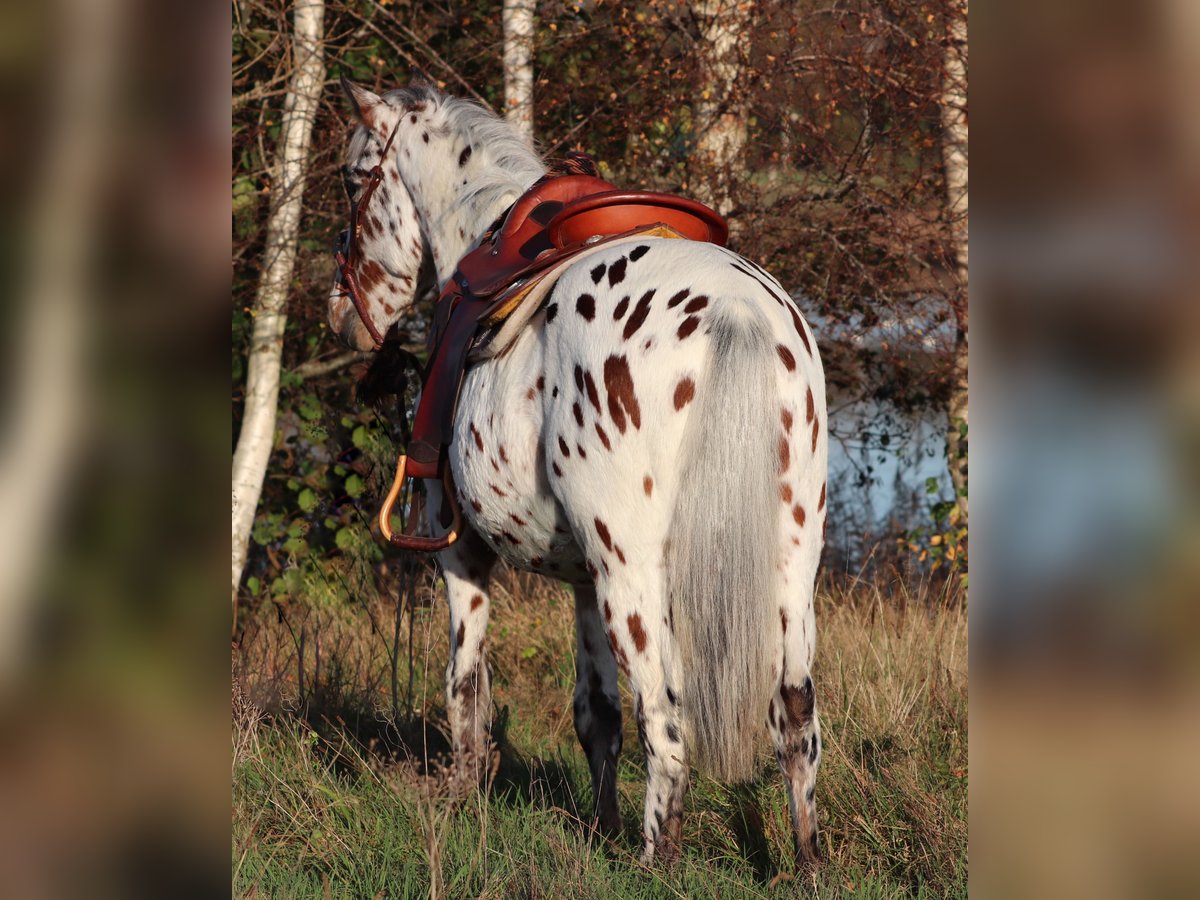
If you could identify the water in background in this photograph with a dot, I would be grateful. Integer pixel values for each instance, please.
(880, 461)
(882, 454)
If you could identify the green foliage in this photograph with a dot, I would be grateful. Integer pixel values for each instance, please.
(943, 543)
(315, 546)
(245, 206)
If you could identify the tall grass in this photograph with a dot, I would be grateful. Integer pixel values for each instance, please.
(338, 780)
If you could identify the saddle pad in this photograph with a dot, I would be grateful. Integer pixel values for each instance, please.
(512, 313)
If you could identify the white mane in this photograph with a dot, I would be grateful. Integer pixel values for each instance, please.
(512, 163)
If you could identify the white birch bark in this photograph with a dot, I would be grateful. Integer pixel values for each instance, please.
(954, 158)
(43, 431)
(257, 436)
(518, 22)
(719, 115)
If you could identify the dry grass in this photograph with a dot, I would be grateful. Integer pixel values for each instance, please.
(337, 788)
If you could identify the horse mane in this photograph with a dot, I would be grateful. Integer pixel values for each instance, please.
(513, 162)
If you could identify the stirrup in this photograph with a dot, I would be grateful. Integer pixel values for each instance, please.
(412, 541)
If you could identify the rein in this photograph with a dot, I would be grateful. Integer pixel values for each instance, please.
(346, 249)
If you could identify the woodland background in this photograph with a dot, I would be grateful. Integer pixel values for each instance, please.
(832, 174)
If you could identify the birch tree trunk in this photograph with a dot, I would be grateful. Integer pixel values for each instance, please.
(954, 157)
(719, 117)
(517, 17)
(257, 436)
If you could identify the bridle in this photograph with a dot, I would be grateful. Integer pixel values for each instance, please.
(345, 250)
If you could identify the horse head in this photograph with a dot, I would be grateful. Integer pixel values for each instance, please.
(380, 254)
(430, 172)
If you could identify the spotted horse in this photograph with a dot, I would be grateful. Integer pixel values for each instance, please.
(655, 436)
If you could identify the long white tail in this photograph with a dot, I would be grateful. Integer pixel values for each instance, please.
(723, 547)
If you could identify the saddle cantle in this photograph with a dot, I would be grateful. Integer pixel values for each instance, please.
(557, 221)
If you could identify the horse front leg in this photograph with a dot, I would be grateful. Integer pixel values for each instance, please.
(466, 567)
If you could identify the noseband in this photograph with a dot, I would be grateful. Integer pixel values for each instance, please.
(346, 251)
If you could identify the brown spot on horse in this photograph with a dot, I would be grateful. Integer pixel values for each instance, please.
(789, 361)
(622, 401)
(593, 395)
(605, 537)
(684, 392)
(637, 632)
(638, 316)
(586, 306)
(690, 324)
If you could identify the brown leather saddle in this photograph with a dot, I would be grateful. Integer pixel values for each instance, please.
(554, 221)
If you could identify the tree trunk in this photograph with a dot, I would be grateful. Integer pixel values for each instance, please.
(517, 17)
(954, 157)
(257, 437)
(719, 117)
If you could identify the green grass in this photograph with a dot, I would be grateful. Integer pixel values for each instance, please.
(334, 795)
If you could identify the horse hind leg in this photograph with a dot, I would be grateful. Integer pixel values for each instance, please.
(635, 616)
(791, 714)
(796, 734)
(597, 707)
(659, 729)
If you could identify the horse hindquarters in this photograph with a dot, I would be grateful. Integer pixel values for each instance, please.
(683, 561)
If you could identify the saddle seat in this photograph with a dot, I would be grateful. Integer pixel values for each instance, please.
(551, 226)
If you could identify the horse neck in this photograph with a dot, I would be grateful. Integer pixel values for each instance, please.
(455, 216)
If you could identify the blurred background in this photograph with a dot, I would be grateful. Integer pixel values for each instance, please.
(1086, 391)
(122, 176)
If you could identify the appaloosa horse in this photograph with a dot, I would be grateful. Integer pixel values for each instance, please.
(656, 437)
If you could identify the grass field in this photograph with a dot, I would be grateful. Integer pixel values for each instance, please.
(335, 794)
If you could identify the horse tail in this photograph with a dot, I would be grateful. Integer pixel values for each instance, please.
(721, 557)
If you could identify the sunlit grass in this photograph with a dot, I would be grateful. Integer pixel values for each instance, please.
(335, 794)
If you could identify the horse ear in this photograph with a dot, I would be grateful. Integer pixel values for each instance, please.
(363, 102)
